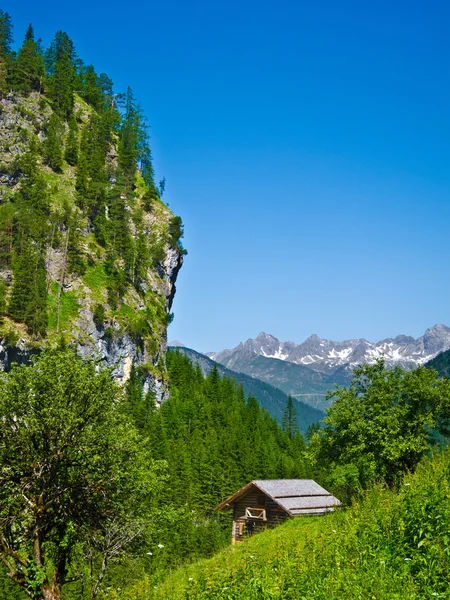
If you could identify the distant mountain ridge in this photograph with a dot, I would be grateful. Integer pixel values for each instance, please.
(326, 355)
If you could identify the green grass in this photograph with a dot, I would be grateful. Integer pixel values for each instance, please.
(389, 546)
(96, 280)
(68, 308)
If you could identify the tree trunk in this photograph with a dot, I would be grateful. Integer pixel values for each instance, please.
(53, 593)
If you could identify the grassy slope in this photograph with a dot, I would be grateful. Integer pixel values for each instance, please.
(388, 546)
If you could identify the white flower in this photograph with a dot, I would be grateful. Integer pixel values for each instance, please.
(225, 588)
(149, 553)
(334, 530)
(407, 484)
(408, 558)
(160, 545)
(190, 579)
(251, 556)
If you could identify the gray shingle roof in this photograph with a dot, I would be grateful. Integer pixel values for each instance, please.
(291, 487)
(298, 496)
(295, 496)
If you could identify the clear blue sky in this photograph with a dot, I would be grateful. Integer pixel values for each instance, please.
(306, 147)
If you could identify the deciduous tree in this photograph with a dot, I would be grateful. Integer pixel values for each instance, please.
(73, 472)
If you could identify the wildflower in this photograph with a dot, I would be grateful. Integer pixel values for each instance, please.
(408, 558)
(334, 530)
(407, 484)
(251, 556)
(160, 545)
(149, 553)
(190, 579)
(225, 588)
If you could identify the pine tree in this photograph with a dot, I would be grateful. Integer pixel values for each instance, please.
(6, 40)
(91, 91)
(3, 293)
(72, 143)
(6, 37)
(28, 70)
(28, 302)
(53, 145)
(290, 424)
(60, 64)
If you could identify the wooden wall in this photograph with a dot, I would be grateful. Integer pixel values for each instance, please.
(254, 498)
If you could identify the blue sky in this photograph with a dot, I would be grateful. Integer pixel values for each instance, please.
(304, 144)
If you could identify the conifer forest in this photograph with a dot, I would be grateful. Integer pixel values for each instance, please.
(114, 451)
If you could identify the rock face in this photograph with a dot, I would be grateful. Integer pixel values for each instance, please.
(121, 334)
(325, 355)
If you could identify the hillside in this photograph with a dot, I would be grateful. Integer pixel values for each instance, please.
(303, 383)
(388, 546)
(89, 253)
(441, 363)
(269, 397)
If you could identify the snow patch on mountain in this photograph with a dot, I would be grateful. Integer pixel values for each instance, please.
(322, 354)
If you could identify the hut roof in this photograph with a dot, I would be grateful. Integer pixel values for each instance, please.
(295, 496)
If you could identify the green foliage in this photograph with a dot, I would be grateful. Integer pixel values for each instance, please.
(71, 151)
(6, 37)
(214, 441)
(64, 492)
(99, 315)
(28, 70)
(379, 428)
(91, 91)
(290, 424)
(176, 232)
(28, 301)
(63, 308)
(110, 196)
(441, 363)
(388, 546)
(3, 294)
(53, 144)
(7, 221)
(61, 83)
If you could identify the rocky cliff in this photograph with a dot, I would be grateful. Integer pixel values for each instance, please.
(111, 306)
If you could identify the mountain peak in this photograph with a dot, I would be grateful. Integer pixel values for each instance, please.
(324, 355)
(263, 336)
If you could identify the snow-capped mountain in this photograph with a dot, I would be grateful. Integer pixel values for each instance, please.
(323, 355)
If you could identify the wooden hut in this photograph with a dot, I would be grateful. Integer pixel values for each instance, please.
(266, 503)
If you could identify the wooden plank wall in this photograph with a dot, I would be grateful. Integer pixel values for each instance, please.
(255, 499)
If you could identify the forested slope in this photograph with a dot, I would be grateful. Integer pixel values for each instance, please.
(89, 253)
(441, 363)
(269, 397)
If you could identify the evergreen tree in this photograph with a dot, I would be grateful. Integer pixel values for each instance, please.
(72, 143)
(3, 293)
(6, 40)
(290, 424)
(28, 302)
(61, 44)
(28, 69)
(60, 59)
(6, 37)
(3, 77)
(91, 90)
(53, 144)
